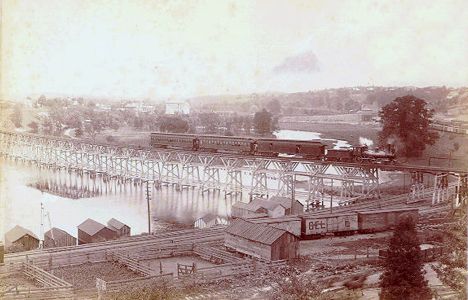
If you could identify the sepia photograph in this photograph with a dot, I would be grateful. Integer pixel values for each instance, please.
(233, 149)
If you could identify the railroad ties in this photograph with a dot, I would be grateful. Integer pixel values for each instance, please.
(316, 182)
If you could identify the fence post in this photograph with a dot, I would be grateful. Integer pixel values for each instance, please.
(160, 267)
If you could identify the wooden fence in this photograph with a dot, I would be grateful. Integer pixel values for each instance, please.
(131, 264)
(53, 287)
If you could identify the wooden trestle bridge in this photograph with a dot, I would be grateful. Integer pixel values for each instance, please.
(226, 172)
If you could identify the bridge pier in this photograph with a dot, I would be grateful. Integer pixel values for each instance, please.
(440, 193)
(417, 187)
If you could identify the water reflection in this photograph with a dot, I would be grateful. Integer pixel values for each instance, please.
(125, 201)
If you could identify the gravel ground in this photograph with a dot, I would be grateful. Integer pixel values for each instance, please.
(17, 279)
(84, 276)
(169, 265)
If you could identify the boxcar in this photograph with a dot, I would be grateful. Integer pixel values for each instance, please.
(321, 224)
(383, 219)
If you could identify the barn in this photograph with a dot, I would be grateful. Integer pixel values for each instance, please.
(120, 228)
(261, 241)
(20, 239)
(209, 220)
(56, 237)
(91, 231)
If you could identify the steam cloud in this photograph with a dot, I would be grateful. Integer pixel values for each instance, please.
(365, 141)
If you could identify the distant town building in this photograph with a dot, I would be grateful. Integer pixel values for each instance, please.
(21, 239)
(209, 220)
(56, 237)
(177, 108)
(261, 241)
(91, 231)
(120, 228)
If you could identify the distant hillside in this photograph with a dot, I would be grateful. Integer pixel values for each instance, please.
(329, 101)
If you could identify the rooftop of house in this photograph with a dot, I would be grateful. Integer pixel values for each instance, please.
(91, 227)
(56, 233)
(18, 232)
(114, 223)
(261, 233)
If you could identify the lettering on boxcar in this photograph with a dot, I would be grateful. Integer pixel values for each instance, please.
(317, 225)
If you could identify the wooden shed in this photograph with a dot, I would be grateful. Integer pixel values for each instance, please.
(291, 207)
(91, 231)
(20, 239)
(240, 209)
(209, 220)
(275, 207)
(120, 228)
(261, 241)
(56, 237)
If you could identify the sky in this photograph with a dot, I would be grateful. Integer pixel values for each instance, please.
(177, 49)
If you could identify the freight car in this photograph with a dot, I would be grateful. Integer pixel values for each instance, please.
(383, 219)
(317, 225)
(321, 224)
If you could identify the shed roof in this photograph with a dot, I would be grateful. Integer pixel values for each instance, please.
(255, 232)
(90, 226)
(208, 217)
(284, 201)
(57, 233)
(275, 220)
(18, 232)
(254, 215)
(252, 206)
(114, 223)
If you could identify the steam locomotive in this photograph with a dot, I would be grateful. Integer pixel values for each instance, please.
(270, 147)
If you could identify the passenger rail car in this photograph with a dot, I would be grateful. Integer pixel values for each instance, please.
(242, 145)
(270, 147)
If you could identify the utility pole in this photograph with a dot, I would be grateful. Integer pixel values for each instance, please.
(148, 198)
(41, 235)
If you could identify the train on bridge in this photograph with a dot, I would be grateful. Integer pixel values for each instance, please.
(271, 147)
